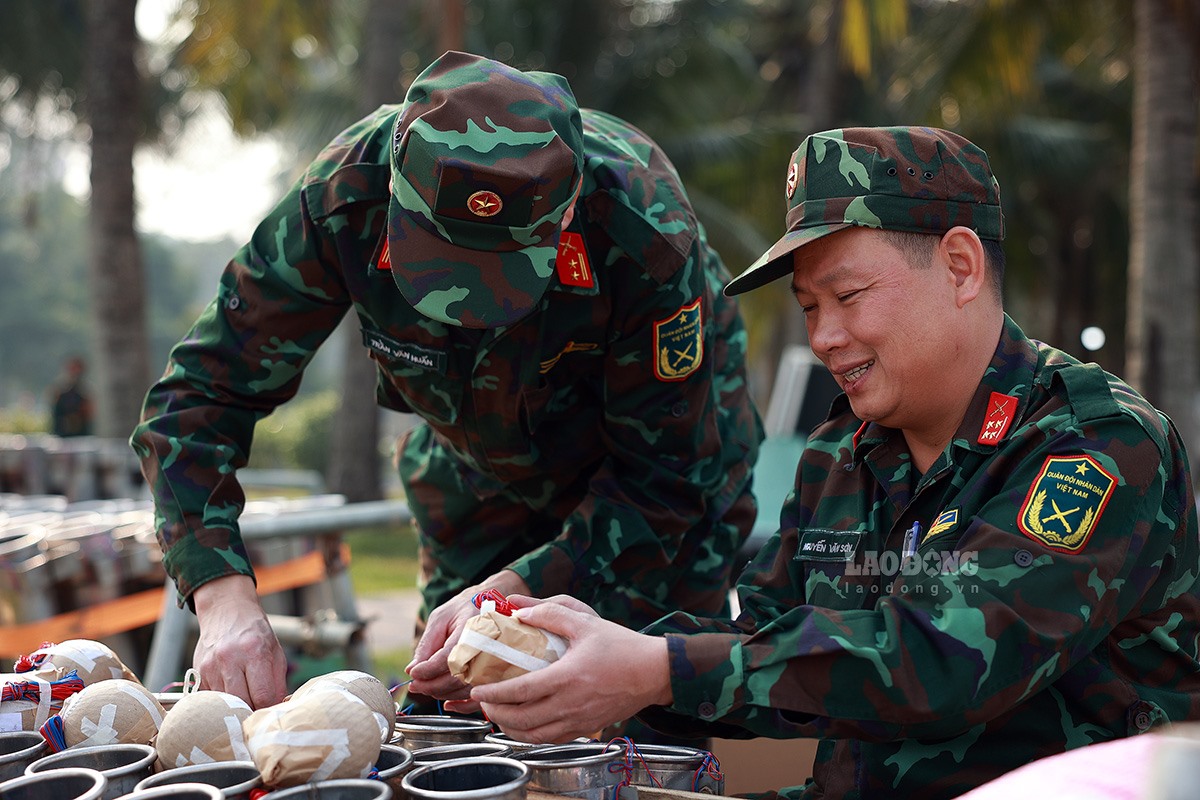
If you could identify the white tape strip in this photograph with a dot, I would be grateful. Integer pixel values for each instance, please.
(197, 756)
(85, 655)
(237, 739)
(43, 712)
(102, 732)
(337, 740)
(147, 702)
(502, 651)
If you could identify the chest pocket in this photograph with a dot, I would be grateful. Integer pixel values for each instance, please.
(835, 567)
(421, 377)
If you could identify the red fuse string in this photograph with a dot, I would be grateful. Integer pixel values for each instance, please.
(502, 605)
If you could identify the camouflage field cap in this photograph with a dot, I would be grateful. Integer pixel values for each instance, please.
(485, 162)
(923, 180)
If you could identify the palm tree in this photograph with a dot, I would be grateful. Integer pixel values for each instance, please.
(1164, 260)
(115, 265)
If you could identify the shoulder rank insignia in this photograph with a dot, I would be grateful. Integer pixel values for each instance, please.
(571, 263)
(1065, 502)
(678, 343)
(944, 522)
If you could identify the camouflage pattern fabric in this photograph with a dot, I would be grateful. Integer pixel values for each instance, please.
(497, 186)
(601, 445)
(1052, 601)
(923, 180)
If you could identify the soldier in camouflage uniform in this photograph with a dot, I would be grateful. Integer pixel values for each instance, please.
(533, 283)
(990, 554)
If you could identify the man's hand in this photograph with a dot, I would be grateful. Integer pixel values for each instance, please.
(428, 669)
(608, 674)
(238, 652)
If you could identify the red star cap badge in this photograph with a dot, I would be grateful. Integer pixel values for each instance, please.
(485, 203)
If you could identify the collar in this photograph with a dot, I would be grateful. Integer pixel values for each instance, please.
(1010, 374)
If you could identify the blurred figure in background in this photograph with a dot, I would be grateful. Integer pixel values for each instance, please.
(70, 403)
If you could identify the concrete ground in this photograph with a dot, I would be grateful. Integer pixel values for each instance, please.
(390, 618)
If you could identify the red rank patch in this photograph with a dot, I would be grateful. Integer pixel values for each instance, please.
(385, 259)
(1001, 408)
(572, 262)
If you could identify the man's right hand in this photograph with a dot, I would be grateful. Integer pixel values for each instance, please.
(238, 652)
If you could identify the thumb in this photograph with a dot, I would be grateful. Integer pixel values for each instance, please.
(554, 618)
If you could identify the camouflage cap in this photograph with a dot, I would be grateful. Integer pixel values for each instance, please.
(923, 180)
(485, 162)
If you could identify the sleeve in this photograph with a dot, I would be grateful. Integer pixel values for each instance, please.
(957, 645)
(278, 299)
(666, 442)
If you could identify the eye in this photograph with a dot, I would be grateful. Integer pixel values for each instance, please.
(844, 296)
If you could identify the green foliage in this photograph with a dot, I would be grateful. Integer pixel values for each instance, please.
(18, 419)
(44, 308)
(296, 435)
(383, 560)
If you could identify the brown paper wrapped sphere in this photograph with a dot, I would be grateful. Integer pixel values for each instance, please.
(92, 661)
(201, 728)
(326, 734)
(111, 712)
(365, 687)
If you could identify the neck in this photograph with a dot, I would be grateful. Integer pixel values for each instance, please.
(964, 374)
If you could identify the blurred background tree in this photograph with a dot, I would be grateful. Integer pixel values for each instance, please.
(1099, 191)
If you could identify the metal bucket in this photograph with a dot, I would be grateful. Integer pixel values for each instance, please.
(59, 784)
(234, 780)
(575, 770)
(19, 749)
(675, 767)
(123, 765)
(176, 791)
(499, 737)
(393, 764)
(487, 778)
(344, 789)
(418, 732)
(449, 752)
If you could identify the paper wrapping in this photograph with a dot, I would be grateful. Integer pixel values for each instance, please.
(111, 712)
(326, 734)
(365, 687)
(92, 661)
(201, 728)
(26, 715)
(495, 647)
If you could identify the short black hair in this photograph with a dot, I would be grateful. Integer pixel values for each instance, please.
(918, 250)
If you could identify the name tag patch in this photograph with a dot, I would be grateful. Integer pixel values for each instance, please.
(413, 355)
(818, 544)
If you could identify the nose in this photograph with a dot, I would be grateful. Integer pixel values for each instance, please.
(825, 331)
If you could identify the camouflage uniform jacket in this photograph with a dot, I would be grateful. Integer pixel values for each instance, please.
(569, 411)
(1052, 603)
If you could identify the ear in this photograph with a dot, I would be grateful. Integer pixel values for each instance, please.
(961, 253)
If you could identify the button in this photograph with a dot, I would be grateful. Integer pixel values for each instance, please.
(679, 409)
(1023, 558)
(1141, 720)
(706, 710)
(233, 303)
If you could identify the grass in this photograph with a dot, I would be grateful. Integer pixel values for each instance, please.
(382, 559)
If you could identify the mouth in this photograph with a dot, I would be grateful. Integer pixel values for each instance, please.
(854, 374)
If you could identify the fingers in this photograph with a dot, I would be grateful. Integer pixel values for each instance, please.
(250, 665)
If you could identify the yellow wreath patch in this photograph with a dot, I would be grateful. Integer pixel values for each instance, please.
(1065, 502)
